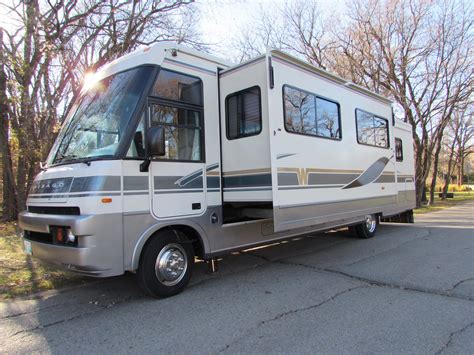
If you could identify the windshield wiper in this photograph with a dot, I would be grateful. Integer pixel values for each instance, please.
(43, 166)
(65, 158)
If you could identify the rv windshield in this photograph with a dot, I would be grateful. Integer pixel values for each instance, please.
(101, 116)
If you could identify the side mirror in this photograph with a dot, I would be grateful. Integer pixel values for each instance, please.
(156, 141)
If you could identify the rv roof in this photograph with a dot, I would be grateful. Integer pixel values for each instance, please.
(330, 76)
(154, 54)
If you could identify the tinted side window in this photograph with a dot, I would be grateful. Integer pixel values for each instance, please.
(365, 130)
(327, 119)
(398, 149)
(371, 130)
(300, 111)
(244, 113)
(178, 87)
(380, 132)
(308, 114)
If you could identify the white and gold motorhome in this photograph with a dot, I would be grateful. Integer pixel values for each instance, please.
(171, 153)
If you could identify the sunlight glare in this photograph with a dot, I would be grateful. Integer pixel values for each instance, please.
(89, 81)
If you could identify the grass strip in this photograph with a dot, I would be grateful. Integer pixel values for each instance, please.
(22, 275)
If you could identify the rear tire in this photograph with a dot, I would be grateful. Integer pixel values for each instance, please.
(166, 264)
(368, 228)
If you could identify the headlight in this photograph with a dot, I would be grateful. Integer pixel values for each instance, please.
(71, 238)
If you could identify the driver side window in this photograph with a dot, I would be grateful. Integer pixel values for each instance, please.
(137, 147)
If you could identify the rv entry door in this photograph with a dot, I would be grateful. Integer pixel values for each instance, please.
(177, 177)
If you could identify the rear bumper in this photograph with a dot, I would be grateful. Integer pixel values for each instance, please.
(100, 247)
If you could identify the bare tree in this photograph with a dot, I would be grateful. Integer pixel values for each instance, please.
(44, 58)
(296, 27)
(420, 54)
(460, 136)
(8, 188)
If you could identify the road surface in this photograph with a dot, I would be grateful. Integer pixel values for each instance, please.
(408, 290)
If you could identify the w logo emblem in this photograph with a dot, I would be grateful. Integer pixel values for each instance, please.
(302, 176)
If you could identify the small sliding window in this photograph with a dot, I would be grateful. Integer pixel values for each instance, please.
(311, 115)
(371, 129)
(244, 113)
(398, 149)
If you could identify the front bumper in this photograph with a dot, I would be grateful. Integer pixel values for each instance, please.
(100, 247)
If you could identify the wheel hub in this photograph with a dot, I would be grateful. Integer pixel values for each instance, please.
(370, 223)
(171, 264)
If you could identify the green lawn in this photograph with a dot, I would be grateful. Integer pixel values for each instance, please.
(20, 274)
(439, 204)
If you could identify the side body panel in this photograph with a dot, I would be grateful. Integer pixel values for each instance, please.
(320, 180)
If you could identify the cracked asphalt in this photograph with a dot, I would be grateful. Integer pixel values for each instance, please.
(408, 290)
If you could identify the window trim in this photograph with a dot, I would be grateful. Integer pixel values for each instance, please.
(401, 150)
(357, 130)
(317, 97)
(227, 112)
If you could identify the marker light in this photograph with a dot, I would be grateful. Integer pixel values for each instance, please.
(106, 200)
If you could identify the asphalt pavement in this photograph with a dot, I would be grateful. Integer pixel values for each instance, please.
(408, 290)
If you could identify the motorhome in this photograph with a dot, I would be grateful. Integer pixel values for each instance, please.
(171, 154)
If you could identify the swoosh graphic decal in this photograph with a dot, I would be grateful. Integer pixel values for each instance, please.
(280, 156)
(188, 178)
(370, 175)
(194, 175)
(212, 166)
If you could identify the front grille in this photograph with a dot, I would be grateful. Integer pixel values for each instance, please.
(71, 211)
(39, 237)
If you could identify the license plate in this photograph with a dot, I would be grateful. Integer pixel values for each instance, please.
(27, 245)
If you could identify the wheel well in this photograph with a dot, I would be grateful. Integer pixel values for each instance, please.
(193, 236)
(190, 233)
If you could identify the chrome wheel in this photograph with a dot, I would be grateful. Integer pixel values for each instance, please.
(171, 264)
(371, 222)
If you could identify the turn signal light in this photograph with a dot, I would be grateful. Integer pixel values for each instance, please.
(59, 235)
(106, 200)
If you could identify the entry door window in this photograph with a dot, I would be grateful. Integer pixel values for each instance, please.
(183, 131)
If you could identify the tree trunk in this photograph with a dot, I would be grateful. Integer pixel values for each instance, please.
(435, 174)
(419, 176)
(447, 180)
(9, 203)
(460, 171)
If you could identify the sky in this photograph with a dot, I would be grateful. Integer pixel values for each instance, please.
(221, 21)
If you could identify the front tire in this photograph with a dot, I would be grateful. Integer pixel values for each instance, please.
(367, 228)
(166, 264)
